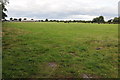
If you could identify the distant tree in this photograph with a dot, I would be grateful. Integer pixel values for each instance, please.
(54, 20)
(46, 20)
(101, 19)
(51, 20)
(41, 20)
(15, 19)
(11, 19)
(74, 20)
(32, 19)
(3, 9)
(95, 20)
(20, 19)
(98, 20)
(25, 19)
(115, 20)
(110, 21)
(70, 21)
(61, 21)
(119, 20)
(88, 21)
(58, 21)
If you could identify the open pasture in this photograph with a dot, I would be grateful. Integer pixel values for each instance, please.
(60, 50)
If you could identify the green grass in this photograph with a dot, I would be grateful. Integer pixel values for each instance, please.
(60, 50)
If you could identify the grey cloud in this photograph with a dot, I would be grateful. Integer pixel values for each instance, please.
(62, 9)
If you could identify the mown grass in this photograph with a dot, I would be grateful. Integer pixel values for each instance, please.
(60, 50)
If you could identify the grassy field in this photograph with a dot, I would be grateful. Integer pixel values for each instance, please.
(60, 50)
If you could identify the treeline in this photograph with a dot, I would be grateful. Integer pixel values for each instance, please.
(99, 20)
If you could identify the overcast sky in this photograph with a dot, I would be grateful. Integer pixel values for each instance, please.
(63, 9)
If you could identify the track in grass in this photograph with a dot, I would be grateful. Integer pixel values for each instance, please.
(60, 50)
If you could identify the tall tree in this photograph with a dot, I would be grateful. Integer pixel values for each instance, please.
(3, 9)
